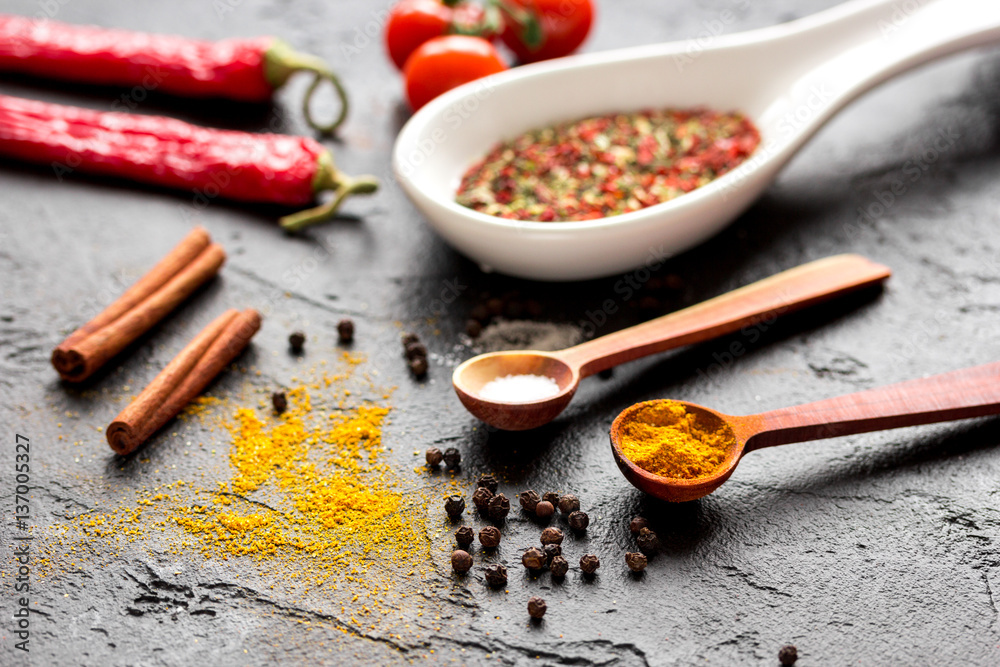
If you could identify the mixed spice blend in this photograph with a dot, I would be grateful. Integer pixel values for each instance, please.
(607, 165)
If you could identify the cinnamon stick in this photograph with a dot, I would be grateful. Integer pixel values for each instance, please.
(183, 379)
(192, 263)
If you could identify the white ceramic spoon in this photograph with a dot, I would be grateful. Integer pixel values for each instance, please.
(790, 79)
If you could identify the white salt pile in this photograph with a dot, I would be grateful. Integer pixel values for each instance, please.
(519, 389)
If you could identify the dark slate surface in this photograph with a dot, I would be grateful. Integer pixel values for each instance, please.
(875, 550)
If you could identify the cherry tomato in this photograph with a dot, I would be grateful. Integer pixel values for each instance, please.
(413, 22)
(447, 62)
(563, 24)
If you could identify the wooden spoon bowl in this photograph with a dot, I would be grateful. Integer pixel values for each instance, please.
(470, 378)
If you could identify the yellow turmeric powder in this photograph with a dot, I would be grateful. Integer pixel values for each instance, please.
(664, 438)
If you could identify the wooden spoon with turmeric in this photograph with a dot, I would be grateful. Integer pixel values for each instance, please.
(680, 451)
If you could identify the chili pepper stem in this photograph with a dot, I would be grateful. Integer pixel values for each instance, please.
(281, 61)
(328, 177)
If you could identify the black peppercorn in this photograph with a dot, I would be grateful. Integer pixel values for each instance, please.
(536, 607)
(479, 312)
(488, 481)
(345, 330)
(606, 374)
(551, 551)
(569, 504)
(559, 566)
(499, 507)
(552, 535)
(408, 338)
(416, 351)
(461, 561)
(452, 457)
(496, 575)
(454, 506)
(433, 456)
(419, 367)
(481, 499)
(473, 328)
(589, 563)
(551, 497)
(297, 341)
(464, 536)
(544, 509)
(635, 561)
(280, 401)
(533, 559)
(788, 655)
(648, 542)
(494, 306)
(529, 500)
(489, 537)
(637, 524)
(578, 521)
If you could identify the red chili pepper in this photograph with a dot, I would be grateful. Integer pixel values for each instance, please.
(245, 70)
(242, 166)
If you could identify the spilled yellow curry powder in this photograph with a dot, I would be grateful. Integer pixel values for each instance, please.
(306, 500)
(664, 438)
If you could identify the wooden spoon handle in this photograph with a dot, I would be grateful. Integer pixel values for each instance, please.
(970, 392)
(782, 293)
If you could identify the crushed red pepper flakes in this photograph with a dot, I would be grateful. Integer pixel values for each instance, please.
(607, 165)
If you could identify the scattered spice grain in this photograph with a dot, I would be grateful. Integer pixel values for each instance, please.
(578, 521)
(559, 566)
(499, 507)
(569, 504)
(279, 401)
(552, 535)
(648, 542)
(544, 509)
(489, 537)
(481, 499)
(464, 536)
(788, 655)
(433, 456)
(636, 561)
(496, 575)
(461, 561)
(452, 457)
(345, 330)
(589, 563)
(536, 607)
(296, 342)
(533, 558)
(454, 506)
(529, 500)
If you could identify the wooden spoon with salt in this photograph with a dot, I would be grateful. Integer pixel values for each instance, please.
(962, 394)
(782, 293)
